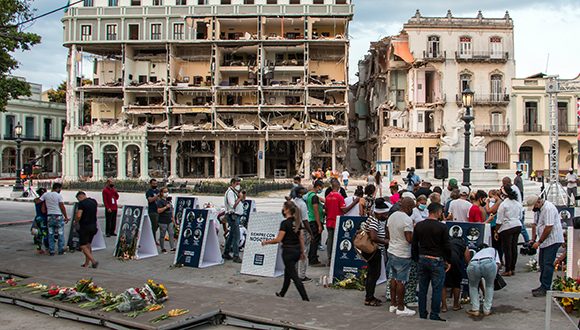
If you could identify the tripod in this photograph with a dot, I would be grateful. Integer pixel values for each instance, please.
(29, 192)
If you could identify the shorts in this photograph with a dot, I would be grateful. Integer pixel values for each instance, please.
(86, 235)
(345, 182)
(399, 268)
(453, 277)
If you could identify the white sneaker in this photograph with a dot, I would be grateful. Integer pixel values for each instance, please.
(405, 312)
(392, 309)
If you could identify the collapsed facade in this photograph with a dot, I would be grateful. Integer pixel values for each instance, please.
(216, 89)
(408, 98)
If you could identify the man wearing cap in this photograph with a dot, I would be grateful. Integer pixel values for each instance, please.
(412, 179)
(547, 229)
(459, 208)
(424, 189)
(518, 182)
(446, 195)
(234, 202)
(572, 186)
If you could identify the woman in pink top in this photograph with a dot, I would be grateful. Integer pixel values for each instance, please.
(394, 187)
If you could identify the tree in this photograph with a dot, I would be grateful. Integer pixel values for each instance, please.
(58, 95)
(13, 38)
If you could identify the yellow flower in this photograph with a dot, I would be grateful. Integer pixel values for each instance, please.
(566, 302)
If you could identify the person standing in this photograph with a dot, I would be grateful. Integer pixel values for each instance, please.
(110, 198)
(509, 227)
(519, 182)
(483, 265)
(56, 217)
(166, 219)
(424, 189)
(371, 178)
(432, 251)
(341, 190)
(400, 233)
(40, 223)
(454, 275)
(152, 196)
(420, 212)
(446, 195)
(379, 182)
(375, 227)
(334, 206)
(477, 212)
(345, 177)
(315, 220)
(459, 208)
(572, 186)
(306, 232)
(358, 194)
(412, 180)
(547, 229)
(86, 219)
(508, 182)
(394, 189)
(234, 202)
(296, 184)
(292, 248)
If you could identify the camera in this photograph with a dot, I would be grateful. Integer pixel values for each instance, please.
(528, 250)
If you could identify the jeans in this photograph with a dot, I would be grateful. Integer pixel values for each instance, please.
(373, 273)
(574, 193)
(524, 231)
(314, 243)
(56, 226)
(166, 228)
(233, 241)
(303, 264)
(154, 217)
(291, 255)
(430, 271)
(329, 243)
(509, 244)
(546, 262)
(486, 269)
(110, 222)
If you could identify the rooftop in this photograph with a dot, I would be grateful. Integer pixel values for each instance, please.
(449, 21)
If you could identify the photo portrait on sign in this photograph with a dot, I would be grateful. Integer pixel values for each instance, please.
(345, 245)
(348, 225)
(473, 234)
(456, 231)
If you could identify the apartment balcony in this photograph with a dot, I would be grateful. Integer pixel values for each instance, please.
(492, 130)
(52, 138)
(529, 129)
(145, 109)
(482, 56)
(499, 99)
(434, 57)
(568, 130)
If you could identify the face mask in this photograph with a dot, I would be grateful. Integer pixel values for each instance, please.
(536, 209)
(111, 185)
(492, 200)
(422, 207)
(238, 188)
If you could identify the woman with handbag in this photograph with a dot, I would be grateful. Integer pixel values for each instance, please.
(483, 265)
(375, 229)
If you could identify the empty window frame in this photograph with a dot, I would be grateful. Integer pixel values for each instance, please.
(113, 3)
(465, 46)
(178, 31)
(156, 31)
(135, 2)
(433, 47)
(181, 2)
(88, 3)
(86, 32)
(157, 2)
(111, 32)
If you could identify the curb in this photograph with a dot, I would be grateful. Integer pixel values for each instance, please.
(15, 223)
(26, 200)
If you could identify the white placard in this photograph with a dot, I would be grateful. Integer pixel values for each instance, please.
(146, 242)
(210, 250)
(263, 260)
(98, 242)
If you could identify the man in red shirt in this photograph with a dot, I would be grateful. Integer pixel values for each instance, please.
(334, 206)
(110, 198)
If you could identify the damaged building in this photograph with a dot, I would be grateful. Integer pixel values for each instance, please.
(216, 89)
(408, 99)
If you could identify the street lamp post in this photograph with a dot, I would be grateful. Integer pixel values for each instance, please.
(165, 174)
(18, 187)
(467, 98)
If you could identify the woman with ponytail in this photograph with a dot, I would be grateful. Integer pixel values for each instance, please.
(292, 240)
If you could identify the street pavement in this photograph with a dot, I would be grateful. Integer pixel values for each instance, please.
(514, 307)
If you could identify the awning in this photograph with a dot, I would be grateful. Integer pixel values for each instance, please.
(497, 153)
(401, 49)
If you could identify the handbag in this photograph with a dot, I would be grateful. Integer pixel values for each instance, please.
(499, 283)
(363, 242)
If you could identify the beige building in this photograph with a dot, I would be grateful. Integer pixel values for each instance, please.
(222, 87)
(530, 108)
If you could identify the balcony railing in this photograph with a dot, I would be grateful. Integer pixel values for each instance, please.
(530, 129)
(482, 56)
(52, 138)
(434, 57)
(568, 129)
(492, 130)
(486, 99)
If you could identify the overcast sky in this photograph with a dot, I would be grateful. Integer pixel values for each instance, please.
(542, 27)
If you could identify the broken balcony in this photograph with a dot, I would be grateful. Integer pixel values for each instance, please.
(146, 67)
(192, 122)
(237, 122)
(191, 67)
(289, 28)
(327, 28)
(145, 102)
(106, 109)
(283, 100)
(284, 59)
(187, 101)
(327, 65)
(237, 101)
(237, 28)
(281, 79)
(281, 122)
(108, 72)
(322, 98)
(237, 60)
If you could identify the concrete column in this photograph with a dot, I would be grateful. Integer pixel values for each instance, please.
(206, 167)
(173, 160)
(307, 156)
(217, 159)
(261, 158)
(121, 164)
(333, 162)
(144, 162)
(97, 160)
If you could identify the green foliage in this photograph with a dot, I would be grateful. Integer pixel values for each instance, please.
(13, 38)
(58, 95)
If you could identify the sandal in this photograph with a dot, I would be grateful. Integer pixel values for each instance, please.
(443, 309)
(373, 302)
(457, 308)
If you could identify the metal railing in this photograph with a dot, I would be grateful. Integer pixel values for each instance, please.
(568, 129)
(492, 130)
(482, 99)
(435, 57)
(474, 56)
(528, 128)
(551, 297)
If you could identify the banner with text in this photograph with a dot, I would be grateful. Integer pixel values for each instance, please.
(198, 244)
(263, 260)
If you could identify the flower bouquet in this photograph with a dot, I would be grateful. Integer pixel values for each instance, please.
(532, 265)
(171, 313)
(567, 284)
(103, 299)
(147, 309)
(132, 299)
(10, 284)
(352, 282)
(155, 293)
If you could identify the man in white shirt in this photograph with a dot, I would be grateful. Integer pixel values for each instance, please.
(56, 215)
(306, 233)
(483, 265)
(446, 194)
(548, 227)
(459, 208)
(345, 176)
(572, 186)
(400, 233)
(234, 202)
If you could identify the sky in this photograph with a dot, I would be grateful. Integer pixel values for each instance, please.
(543, 29)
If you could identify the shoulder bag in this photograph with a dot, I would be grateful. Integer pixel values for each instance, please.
(363, 243)
(499, 283)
